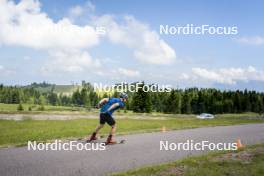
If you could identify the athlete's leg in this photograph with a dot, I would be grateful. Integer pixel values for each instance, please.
(93, 136)
(112, 130)
(111, 134)
(101, 125)
(112, 123)
(102, 121)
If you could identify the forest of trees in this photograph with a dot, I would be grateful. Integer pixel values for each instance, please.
(178, 101)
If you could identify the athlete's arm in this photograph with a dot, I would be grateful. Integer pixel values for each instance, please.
(113, 106)
(102, 102)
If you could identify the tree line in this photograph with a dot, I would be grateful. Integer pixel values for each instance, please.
(177, 101)
(15, 95)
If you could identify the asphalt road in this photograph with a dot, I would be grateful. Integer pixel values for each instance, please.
(139, 150)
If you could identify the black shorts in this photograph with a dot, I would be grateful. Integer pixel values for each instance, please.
(105, 117)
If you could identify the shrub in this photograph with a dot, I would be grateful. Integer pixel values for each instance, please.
(20, 107)
(41, 108)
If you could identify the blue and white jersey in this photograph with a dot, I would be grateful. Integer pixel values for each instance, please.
(110, 102)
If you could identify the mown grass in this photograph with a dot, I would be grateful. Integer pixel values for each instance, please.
(19, 132)
(245, 162)
(48, 109)
(5, 108)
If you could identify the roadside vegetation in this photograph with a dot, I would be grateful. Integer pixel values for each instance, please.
(19, 132)
(244, 162)
(176, 101)
(32, 105)
(27, 108)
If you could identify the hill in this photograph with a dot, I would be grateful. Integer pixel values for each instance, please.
(46, 87)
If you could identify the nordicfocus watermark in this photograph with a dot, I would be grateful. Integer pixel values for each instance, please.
(135, 87)
(191, 29)
(190, 145)
(60, 29)
(58, 145)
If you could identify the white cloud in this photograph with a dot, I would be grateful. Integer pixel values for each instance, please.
(257, 40)
(128, 72)
(6, 72)
(184, 76)
(24, 24)
(78, 10)
(146, 44)
(226, 75)
(72, 61)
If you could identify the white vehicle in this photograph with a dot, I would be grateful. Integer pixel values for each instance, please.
(205, 116)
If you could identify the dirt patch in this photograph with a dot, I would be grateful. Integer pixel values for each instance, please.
(244, 157)
(176, 170)
(259, 150)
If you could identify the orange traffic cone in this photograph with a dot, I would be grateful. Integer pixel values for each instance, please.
(163, 129)
(239, 144)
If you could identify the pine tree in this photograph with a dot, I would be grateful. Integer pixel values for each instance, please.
(173, 103)
(186, 103)
(141, 100)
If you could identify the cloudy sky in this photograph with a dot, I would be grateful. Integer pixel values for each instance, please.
(112, 41)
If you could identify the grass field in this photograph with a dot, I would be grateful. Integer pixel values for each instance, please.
(245, 162)
(49, 109)
(12, 108)
(19, 132)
